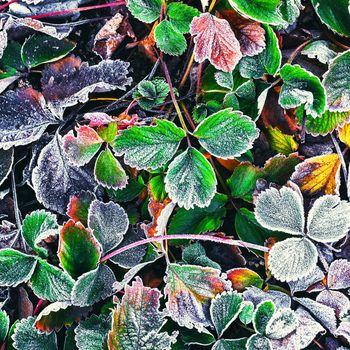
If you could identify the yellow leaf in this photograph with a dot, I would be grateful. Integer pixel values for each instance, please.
(281, 143)
(318, 175)
(344, 133)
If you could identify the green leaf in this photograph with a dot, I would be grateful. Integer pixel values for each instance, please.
(301, 87)
(50, 283)
(195, 254)
(337, 82)
(137, 321)
(281, 143)
(149, 146)
(200, 220)
(145, 10)
(78, 206)
(4, 325)
(40, 48)
(156, 188)
(11, 58)
(227, 134)
(27, 337)
(290, 10)
(190, 180)
(195, 286)
(108, 171)
(109, 223)
(247, 313)
(181, 15)
(242, 278)
(283, 322)
(335, 15)
(169, 40)
(261, 10)
(262, 315)
(129, 193)
(92, 333)
(266, 62)
(78, 250)
(15, 267)
(322, 50)
(224, 309)
(37, 226)
(230, 344)
(258, 342)
(93, 286)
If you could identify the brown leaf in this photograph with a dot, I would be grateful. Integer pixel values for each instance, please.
(214, 40)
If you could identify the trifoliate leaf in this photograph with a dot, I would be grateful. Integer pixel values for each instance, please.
(4, 325)
(261, 11)
(15, 267)
(322, 50)
(181, 15)
(189, 290)
(81, 149)
(224, 309)
(24, 116)
(50, 283)
(242, 277)
(109, 172)
(292, 259)
(258, 342)
(283, 322)
(149, 146)
(78, 206)
(328, 219)
(37, 226)
(281, 210)
(318, 175)
(78, 250)
(55, 180)
(336, 83)
(109, 223)
(230, 344)
(92, 333)
(190, 180)
(262, 315)
(301, 87)
(93, 286)
(214, 40)
(145, 10)
(227, 134)
(41, 48)
(169, 40)
(137, 321)
(26, 336)
(6, 162)
(339, 274)
(266, 62)
(334, 15)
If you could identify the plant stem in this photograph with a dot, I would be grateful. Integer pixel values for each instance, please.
(2, 7)
(187, 72)
(209, 238)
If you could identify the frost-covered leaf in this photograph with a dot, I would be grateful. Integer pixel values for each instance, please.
(93, 286)
(137, 321)
(338, 301)
(4, 325)
(328, 219)
(27, 337)
(290, 10)
(109, 223)
(50, 283)
(78, 206)
(224, 309)
(24, 116)
(247, 313)
(69, 81)
(92, 333)
(292, 259)
(318, 175)
(6, 162)
(261, 11)
(149, 146)
(226, 134)
(109, 172)
(257, 296)
(78, 249)
(214, 40)
(322, 50)
(181, 15)
(336, 82)
(15, 267)
(343, 331)
(195, 254)
(55, 180)
(339, 274)
(41, 48)
(145, 10)
(169, 40)
(262, 315)
(189, 290)
(301, 87)
(281, 210)
(230, 344)
(268, 61)
(241, 278)
(282, 323)
(302, 284)
(190, 180)
(80, 149)
(37, 226)
(258, 342)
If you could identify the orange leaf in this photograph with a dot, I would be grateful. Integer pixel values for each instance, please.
(344, 133)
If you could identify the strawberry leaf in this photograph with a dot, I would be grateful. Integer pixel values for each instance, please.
(145, 10)
(4, 325)
(181, 15)
(78, 206)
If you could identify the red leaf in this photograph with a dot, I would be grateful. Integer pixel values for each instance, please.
(215, 40)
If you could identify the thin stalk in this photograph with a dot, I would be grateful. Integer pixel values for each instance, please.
(2, 7)
(296, 52)
(187, 72)
(209, 238)
(188, 115)
(15, 201)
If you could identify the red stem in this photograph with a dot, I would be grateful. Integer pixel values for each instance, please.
(78, 9)
(7, 4)
(38, 306)
(185, 236)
